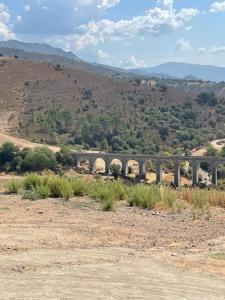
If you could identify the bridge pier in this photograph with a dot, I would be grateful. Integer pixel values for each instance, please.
(91, 165)
(142, 170)
(177, 177)
(124, 168)
(214, 175)
(195, 174)
(107, 167)
(159, 172)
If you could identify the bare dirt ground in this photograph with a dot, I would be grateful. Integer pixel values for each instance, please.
(218, 144)
(50, 249)
(22, 143)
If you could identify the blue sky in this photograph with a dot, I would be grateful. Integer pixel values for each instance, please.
(124, 33)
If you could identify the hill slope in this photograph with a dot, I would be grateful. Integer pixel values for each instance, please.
(37, 48)
(83, 107)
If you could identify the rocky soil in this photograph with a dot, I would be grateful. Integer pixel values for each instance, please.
(50, 249)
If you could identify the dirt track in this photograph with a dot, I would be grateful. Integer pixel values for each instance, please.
(22, 143)
(110, 273)
(55, 250)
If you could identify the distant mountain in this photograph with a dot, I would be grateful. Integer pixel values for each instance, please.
(46, 54)
(183, 71)
(191, 78)
(37, 48)
(172, 70)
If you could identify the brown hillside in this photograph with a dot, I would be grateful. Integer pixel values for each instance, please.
(149, 110)
(13, 77)
(28, 86)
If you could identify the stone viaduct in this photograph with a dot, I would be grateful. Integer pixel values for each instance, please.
(194, 162)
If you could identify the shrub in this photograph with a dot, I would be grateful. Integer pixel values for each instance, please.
(13, 186)
(7, 152)
(67, 191)
(65, 156)
(217, 198)
(32, 181)
(168, 197)
(171, 199)
(39, 159)
(119, 189)
(104, 193)
(60, 187)
(200, 201)
(43, 191)
(108, 204)
(144, 196)
(79, 187)
(30, 195)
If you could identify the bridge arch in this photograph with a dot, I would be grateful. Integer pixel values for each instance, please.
(99, 165)
(83, 164)
(118, 163)
(138, 162)
(132, 168)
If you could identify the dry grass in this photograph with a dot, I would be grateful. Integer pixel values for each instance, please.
(108, 193)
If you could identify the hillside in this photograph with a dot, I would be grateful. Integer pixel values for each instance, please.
(57, 104)
(37, 48)
(46, 54)
(183, 70)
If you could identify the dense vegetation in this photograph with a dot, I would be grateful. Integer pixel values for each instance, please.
(12, 159)
(136, 126)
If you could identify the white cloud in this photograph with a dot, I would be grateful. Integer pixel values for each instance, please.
(201, 50)
(27, 7)
(105, 4)
(85, 2)
(217, 7)
(5, 32)
(188, 28)
(4, 13)
(19, 19)
(101, 4)
(133, 62)
(159, 20)
(216, 50)
(183, 44)
(165, 4)
(101, 54)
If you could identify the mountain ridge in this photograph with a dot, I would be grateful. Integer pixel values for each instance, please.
(182, 70)
(40, 48)
(170, 70)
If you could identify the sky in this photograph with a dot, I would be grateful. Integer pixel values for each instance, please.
(122, 33)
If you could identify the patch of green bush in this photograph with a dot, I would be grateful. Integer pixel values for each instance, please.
(32, 181)
(120, 190)
(144, 196)
(13, 186)
(60, 187)
(104, 193)
(42, 191)
(39, 159)
(31, 195)
(79, 186)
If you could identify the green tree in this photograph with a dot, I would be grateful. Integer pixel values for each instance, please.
(115, 169)
(65, 156)
(211, 151)
(222, 152)
(39, 159)
(7, 152)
